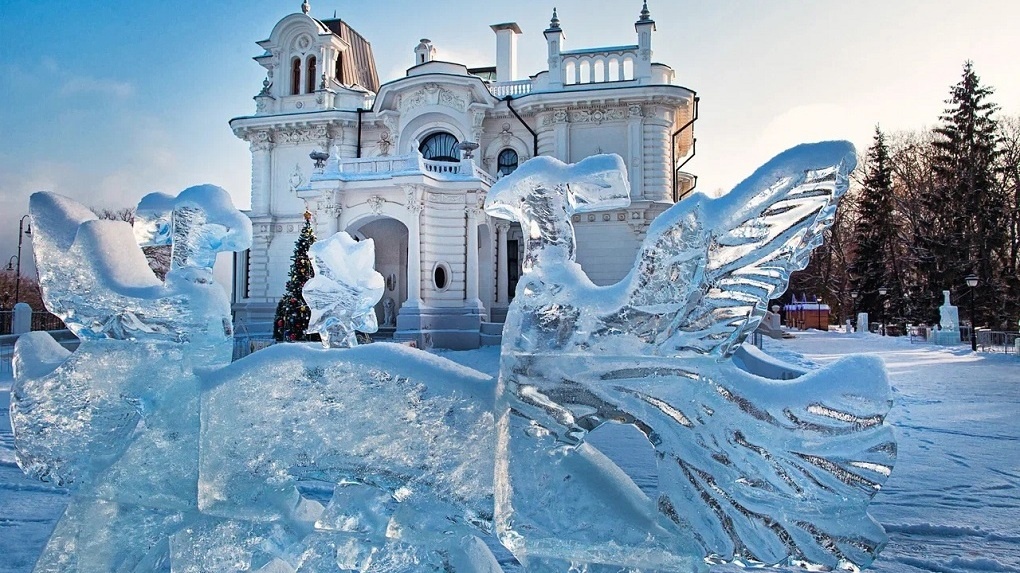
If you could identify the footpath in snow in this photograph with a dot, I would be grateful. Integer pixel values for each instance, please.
(952, 503)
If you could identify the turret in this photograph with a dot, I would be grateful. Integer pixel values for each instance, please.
(554, 40)
(644, 28)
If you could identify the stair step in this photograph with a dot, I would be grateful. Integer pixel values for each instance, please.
(492, 328)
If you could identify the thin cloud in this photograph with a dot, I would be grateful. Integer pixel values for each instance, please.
(82, 85)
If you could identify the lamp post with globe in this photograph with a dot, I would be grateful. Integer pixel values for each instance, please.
(882, 292)
(14, 264)
(853, 296)
(972, 282)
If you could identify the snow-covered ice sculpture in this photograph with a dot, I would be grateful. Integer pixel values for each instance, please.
(344, 290)
(374, 459)
(117, 420)
(751, 470)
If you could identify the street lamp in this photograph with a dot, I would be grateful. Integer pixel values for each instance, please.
(972, 282)
(22, 231)
(853, 310)
(882, 292)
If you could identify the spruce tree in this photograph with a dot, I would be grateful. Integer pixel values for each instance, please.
(292, 314)
(875, 265)
(968, 228)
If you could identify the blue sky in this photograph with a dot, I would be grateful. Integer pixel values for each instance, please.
(107, 101)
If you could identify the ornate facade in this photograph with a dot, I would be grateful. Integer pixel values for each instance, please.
(408, 163)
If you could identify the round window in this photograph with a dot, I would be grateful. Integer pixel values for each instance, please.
(441, 276)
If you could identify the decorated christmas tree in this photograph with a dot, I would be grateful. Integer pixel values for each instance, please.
(292, 314)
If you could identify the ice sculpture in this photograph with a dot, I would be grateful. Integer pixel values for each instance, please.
(344, 290)
(752, 471)
(375, 459)
(385, 459)
(96, 279)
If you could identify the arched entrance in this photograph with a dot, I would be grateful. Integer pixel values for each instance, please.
(390, 237)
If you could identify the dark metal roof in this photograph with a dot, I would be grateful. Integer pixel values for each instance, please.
(357, 65)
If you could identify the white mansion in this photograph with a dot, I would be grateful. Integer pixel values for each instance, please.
(408, 163)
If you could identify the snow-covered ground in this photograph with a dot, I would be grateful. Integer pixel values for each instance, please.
(952, 503)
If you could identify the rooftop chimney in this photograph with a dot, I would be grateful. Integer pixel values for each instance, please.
(506, 51)
(424, 52)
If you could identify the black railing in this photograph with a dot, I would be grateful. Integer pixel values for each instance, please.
(997, 341)
(41, 320)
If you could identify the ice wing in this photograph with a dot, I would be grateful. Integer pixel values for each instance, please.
(709, 266)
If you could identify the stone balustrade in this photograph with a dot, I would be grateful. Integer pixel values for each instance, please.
(382, 167)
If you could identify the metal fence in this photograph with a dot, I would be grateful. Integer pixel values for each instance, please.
(41, 320)
(997, 341)
(6, 353)
(245, 345)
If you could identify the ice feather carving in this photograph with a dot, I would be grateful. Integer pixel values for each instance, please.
(709, 266)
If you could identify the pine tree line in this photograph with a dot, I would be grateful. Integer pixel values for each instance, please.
(926, 210)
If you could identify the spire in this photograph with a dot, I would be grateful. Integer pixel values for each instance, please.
(645, 14)
(554, 23)
(306, 7)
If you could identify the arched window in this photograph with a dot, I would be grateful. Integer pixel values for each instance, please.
(340, 68)
(440, 146)
(295, 76)
(310, 79)
(506, 162)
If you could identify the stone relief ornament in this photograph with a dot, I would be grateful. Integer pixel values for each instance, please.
(412, 199)
(260, 140)
(297, 178)
(375, 203)
(597, 116)
(384, 143)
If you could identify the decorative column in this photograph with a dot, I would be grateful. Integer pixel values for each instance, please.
(261, 171)
(502, 277)
(414, 206)
(471, 299)
(636, 145)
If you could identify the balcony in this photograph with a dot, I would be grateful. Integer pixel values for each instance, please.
(377, 168)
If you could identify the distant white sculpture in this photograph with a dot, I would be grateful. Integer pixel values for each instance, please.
(388, 312)
(862, 322)
(949, 315)
(949, 321)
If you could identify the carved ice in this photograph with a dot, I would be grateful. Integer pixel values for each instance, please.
(381, 458)
(750, 470)
(343, 291)
(96, 279)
